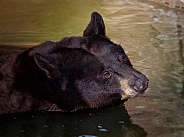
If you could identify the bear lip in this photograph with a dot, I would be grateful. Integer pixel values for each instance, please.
(128, 92)
(124, 96)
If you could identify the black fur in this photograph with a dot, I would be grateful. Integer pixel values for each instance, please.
(75, 73)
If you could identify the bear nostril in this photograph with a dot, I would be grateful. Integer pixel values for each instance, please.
(141, 84)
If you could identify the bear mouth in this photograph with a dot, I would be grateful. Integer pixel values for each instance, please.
(129, 92)
(125, 96)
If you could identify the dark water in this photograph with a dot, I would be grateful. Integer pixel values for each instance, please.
(109, 122)
(152, 36)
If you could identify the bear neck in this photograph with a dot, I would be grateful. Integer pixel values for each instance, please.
(21, 89)
(28, 78)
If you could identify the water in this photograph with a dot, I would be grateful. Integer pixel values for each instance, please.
(113, 121)
(152, 36)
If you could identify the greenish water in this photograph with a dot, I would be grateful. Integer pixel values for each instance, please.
(31, 22)
(152, 36)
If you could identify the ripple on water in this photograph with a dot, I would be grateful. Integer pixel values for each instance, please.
(153, 39)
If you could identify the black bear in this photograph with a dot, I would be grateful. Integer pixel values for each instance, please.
(75, 73)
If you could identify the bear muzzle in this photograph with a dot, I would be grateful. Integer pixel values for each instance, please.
(138, 88)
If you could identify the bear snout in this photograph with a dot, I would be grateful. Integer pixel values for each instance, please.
(141, 84)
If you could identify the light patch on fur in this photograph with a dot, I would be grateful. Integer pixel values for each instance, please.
(128, 92)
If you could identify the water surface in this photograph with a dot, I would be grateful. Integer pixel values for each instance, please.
(153, 38)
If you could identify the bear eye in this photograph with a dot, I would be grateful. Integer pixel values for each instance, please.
(121, 58)
(107, 75)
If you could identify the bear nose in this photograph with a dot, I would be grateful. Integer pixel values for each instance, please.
(141, 84)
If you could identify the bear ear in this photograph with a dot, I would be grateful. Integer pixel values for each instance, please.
(44, 64)
(96, 26)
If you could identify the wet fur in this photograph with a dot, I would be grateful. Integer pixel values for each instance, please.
(71, 74)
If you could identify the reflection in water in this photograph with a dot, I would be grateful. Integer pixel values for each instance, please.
(153, 38)
(108, 122)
